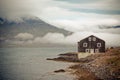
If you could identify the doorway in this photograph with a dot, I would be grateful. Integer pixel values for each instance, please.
(92, 51)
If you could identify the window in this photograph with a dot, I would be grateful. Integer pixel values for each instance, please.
(89, 38)
(84, 44)
(98, 44)
(94, 38)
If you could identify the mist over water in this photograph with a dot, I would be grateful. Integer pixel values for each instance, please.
(31, 63)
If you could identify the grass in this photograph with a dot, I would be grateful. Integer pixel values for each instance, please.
(110, 60)
(115, 61)
(82, 74)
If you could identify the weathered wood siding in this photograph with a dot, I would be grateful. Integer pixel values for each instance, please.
(91, 44)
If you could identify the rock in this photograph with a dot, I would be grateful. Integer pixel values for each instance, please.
(60, 70)
(49, 59)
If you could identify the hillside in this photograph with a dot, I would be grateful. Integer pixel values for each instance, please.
(35, 26)
(99, 66)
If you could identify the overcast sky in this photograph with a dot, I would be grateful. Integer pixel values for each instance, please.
(96, 17)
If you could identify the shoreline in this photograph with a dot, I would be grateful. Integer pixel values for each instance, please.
(104, 66)
(82, 74)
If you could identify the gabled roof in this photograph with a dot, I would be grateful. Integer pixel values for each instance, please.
(91, 36)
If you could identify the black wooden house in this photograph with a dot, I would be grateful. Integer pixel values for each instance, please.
(91, 44)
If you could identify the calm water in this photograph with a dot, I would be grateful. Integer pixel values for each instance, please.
(31, 64)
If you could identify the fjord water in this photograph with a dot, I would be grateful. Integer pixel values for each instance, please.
(31, 63)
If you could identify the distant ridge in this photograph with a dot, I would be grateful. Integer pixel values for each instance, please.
(34, 26)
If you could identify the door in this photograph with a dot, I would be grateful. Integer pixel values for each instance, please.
(91, 50)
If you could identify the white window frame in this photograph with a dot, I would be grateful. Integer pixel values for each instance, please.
(85, 44)
(94, 38)
(99, 45)
(90, 39)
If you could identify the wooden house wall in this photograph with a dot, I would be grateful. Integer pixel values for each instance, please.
(91, 44)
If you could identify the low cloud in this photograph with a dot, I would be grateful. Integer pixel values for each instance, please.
(85, 25)
(60, 39)
(24, 36)
(75, 21)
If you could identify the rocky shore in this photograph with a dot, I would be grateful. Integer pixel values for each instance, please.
(66, 57)
(101, 66)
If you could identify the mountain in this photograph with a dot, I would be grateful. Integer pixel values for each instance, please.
(109, 27)
(34, 26)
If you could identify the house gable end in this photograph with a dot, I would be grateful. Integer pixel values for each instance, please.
(91, 42)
